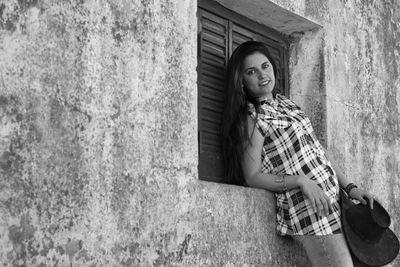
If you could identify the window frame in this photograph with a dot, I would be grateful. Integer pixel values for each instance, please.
(233, 20)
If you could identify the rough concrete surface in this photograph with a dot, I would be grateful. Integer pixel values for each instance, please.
(274, 15)
(98, 131)
(99, 143)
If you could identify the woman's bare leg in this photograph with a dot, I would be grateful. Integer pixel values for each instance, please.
(327, 250)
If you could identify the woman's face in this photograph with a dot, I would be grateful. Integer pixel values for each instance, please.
(258, 75)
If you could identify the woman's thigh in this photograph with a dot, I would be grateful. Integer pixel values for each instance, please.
(328, 250)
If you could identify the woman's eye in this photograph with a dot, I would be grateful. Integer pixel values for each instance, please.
(266, 66)
(251, 72)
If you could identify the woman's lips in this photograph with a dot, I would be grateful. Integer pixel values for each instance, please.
(265, 82)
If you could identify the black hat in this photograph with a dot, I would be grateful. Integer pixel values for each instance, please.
(368, 235)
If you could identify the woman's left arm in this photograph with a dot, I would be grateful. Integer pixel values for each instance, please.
(356, 193)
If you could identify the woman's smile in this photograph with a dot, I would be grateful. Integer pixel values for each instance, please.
(265, 82)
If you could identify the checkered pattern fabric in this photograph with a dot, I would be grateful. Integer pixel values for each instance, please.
(291, 148)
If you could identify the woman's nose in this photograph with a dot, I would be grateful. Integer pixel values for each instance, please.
(262, 74)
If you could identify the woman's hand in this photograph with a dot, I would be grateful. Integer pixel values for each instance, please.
(320, 202)
(361, 195)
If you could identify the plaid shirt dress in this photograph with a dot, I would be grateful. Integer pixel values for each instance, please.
(291, 148)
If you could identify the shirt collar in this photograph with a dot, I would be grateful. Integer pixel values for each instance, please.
(269, 101)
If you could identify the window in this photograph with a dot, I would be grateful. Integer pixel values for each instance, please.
(220, 32)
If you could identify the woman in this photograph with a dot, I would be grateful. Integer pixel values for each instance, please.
(269, 143)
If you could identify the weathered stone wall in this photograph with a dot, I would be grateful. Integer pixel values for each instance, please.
(98, 103)
(98, 131)
(363, 87)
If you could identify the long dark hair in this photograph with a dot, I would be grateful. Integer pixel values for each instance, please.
(234, 127)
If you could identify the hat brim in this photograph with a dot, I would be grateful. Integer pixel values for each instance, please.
(374, 254)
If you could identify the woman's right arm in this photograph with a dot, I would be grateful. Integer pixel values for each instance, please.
(252, 171)
(252, 165)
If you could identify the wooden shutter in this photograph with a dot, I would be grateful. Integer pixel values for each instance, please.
(220, 32)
